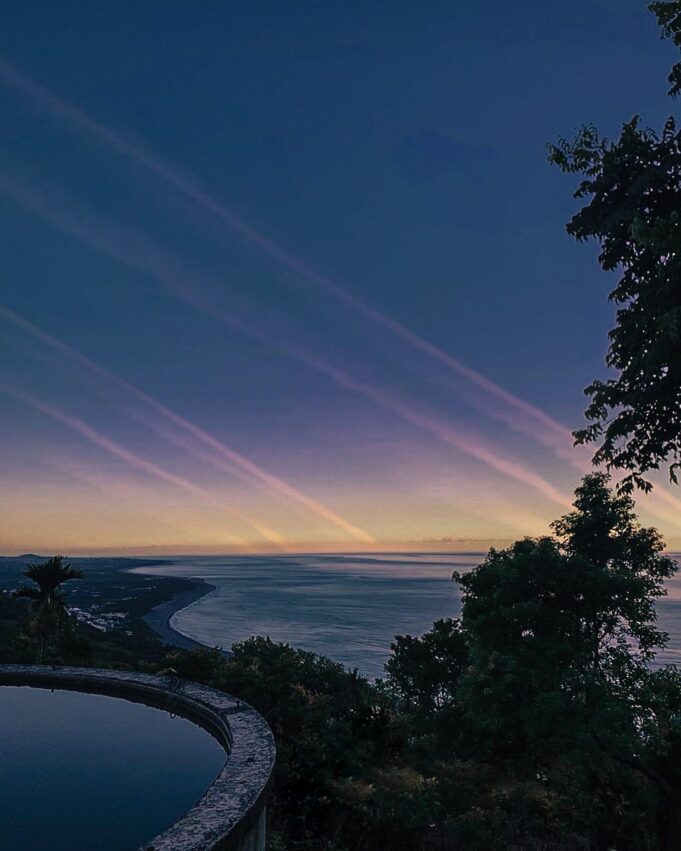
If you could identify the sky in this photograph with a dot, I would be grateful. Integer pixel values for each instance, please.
(294, 276)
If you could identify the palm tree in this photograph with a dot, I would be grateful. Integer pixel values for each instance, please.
(47, 598)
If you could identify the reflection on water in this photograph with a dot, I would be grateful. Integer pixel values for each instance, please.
(347, 607)
(84, 771)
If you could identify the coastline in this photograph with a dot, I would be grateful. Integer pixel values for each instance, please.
(159, 617)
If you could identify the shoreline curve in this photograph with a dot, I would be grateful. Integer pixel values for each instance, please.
(159, 618)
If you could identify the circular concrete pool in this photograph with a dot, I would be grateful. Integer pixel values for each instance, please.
(116, 761)
(88, 771)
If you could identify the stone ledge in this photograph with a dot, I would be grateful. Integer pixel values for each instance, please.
(231, 811)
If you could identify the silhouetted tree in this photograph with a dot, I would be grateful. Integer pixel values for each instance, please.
(560, 631)
(633, 192)
(47, 598)
(424, 672)
(668, 14)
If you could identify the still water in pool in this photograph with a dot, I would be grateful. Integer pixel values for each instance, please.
(83, 771)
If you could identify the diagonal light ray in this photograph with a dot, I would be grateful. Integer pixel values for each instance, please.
(145, 256)
(273, 482)
(466, 443)
(223, 459)
(135, 460)
(140, 254)
(527, 417)
(514, 411)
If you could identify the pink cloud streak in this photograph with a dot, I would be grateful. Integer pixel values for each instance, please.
(532, 421)
(138, 253)
(467, 443)
(273, 482)
(540, 425)
(137, 461)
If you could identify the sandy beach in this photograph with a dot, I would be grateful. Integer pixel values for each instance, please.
(159, 617)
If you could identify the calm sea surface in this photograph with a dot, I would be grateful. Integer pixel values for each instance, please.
(347, 607)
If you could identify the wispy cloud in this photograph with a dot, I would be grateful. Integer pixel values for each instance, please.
(224, 452)
(443, 431)
(503, 405)
(139, 253)
(135, 460)
(526, 417)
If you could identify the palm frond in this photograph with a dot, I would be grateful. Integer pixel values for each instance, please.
(50, 574)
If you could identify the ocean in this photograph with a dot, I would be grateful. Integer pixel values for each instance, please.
(347, 607)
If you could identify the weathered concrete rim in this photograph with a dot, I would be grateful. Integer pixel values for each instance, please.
(232, 804)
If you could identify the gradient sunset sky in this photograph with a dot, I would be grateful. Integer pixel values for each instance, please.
(293, 276)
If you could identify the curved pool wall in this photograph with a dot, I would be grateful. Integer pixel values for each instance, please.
(231, 814)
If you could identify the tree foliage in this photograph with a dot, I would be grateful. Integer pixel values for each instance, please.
(544, 684)
(48, 600)
(668, 14)
(335, 733)
(425, 671)
(560, 633)
(632, 190)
